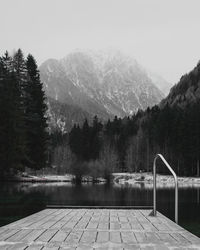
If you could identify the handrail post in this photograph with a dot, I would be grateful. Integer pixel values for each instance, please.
(154, 185)
(176, 202)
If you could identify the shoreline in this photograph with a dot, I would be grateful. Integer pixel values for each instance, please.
(147, 179)
(117, 178)
(68, 178)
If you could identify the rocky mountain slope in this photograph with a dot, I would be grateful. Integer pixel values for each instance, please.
(160, 82)
(62, 116)
(103, 84)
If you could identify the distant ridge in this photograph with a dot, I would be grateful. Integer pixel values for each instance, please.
(186, 91)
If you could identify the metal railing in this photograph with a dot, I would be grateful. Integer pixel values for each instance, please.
(154, 185)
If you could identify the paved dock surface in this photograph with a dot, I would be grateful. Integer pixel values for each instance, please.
(56, 229)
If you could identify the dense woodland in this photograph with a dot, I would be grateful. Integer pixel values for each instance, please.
(23, 124)
(130, 144)
(98, 149)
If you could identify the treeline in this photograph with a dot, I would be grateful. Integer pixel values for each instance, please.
(174, 132)
(171, 128)
(130, 144)
(23, 123)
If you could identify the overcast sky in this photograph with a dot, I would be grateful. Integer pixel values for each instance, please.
(163, 35)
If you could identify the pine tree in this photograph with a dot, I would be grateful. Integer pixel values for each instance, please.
(19, 67)
(12, 143)
(35, 119)
(95, 142)
(20, 72)
(86, 139)
(75, 141)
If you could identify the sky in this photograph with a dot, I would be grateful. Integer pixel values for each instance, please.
(162, 35)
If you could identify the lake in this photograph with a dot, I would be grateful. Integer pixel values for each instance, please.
(18, 200)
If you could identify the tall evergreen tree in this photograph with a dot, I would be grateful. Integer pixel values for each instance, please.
(35, 119)
(12, 143)
(19, 67)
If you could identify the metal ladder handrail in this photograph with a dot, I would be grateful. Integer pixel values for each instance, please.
(154, 185)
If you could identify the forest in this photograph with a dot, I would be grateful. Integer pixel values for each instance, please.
(130, 144)
(24, 136)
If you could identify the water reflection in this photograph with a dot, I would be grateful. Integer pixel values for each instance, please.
(18, 200)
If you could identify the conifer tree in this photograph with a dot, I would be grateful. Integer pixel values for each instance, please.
(19, 67)
(20, 72)
(12, 142)
(36, 121)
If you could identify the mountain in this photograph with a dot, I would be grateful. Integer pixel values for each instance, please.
(186, 91)
(62, 116)
(160, 82)
(105, 84)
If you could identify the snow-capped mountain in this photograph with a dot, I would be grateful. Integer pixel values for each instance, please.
(103, 84)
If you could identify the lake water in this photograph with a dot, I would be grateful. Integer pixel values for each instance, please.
(18, 200)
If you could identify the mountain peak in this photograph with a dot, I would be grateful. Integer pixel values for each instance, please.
(104, 83)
